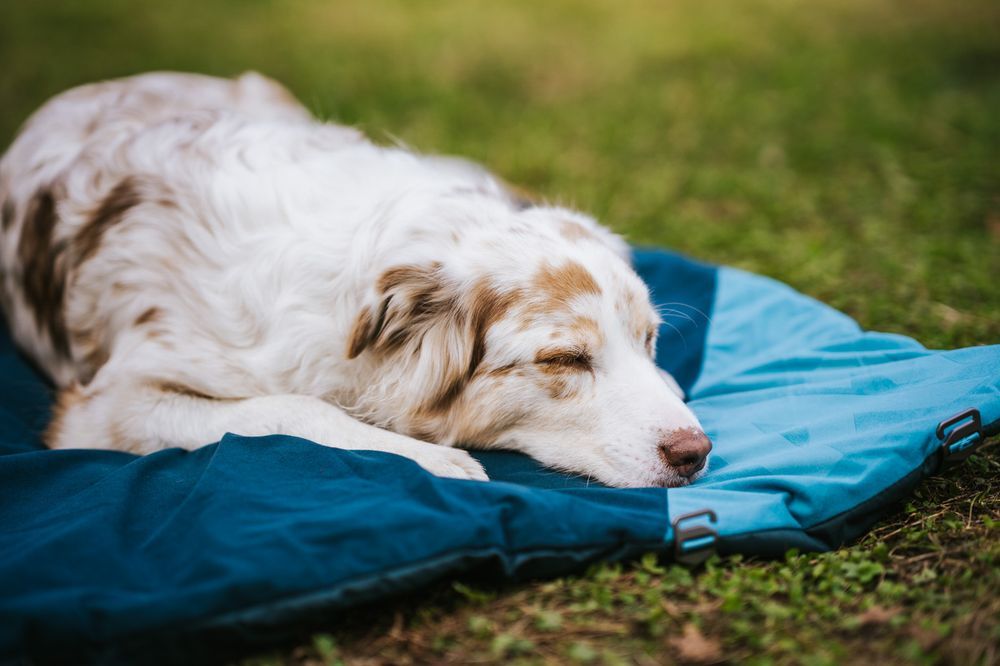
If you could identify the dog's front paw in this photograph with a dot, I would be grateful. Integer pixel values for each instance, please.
(451, 463)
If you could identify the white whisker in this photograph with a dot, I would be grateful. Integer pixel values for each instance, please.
(678, 331)
(686, 305)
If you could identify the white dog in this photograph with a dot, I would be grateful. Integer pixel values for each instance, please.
(187, 256)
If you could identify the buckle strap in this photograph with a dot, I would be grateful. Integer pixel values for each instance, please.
(695, 544)
(963, 438)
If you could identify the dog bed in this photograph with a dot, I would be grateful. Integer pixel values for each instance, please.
(818, 428)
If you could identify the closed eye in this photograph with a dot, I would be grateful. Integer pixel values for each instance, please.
(569, 359)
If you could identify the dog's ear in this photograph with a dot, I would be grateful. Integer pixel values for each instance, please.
(408, 300)
(442, 325)
(419, 311)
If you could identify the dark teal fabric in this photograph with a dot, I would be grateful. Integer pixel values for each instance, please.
(818, 427)
(103, 546)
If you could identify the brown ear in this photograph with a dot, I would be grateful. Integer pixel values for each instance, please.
(409, 299)
(362, 333)
(444, 327)
(464, 338)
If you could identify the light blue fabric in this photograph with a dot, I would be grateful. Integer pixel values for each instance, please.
(810, 415)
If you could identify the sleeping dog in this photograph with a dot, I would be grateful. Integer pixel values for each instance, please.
(187, 256)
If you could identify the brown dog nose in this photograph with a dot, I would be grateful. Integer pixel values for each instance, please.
(685, 450)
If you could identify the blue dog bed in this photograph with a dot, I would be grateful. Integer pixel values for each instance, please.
(818, 428)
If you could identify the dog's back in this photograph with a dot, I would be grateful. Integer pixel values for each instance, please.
(75, 170)
(115, 110)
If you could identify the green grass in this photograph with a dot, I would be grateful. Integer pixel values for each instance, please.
(850, 148)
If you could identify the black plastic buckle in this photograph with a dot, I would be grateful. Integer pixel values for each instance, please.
(963, 439)
(693, 545)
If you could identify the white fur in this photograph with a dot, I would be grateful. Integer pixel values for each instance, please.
(259, 236)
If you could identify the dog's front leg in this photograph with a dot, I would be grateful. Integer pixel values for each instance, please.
(148, 416)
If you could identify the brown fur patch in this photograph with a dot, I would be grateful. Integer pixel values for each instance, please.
(46, 262)
(67, 398)
(650, 340)
(150, 315)
(553, 289)
(488, 307)
(558, 366)
(413, 295)
(482, 426)
(43, 270)
(417, 432)
(419, 303)
(361, 333)
(410, 275)
(448, 395)
(182, 389)
(566, 282)
(559, 359)
(558, 388)
(124, 196)
(503, 370)
(575, 231)
(91, 363)
(7, 214)
(472, 428)
(88, 353)
(587, 328)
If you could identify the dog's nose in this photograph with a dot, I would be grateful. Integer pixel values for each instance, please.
(685, 450)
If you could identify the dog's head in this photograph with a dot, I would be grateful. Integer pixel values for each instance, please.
(532, 334)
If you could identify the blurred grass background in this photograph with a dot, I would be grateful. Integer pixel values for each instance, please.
(848, 147)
